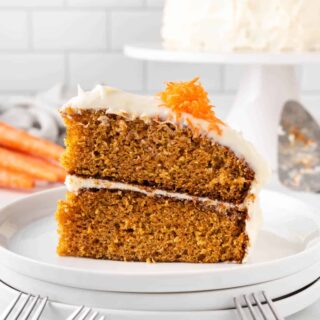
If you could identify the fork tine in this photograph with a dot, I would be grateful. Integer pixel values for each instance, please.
(84, 314)
(40, 309)
(75, 313)
(101, 318)
(257, 301)
(11, 307)
(30, 308)
(271, 306)
(239, 309)
(249, 304)
(93, 316)
(21, 308)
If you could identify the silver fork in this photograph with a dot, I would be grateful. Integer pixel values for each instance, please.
(83, 313)
(258, 308)
(25, 308)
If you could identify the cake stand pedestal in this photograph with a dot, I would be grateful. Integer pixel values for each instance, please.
(268, 82)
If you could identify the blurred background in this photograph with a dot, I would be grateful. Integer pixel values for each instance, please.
(48, 42)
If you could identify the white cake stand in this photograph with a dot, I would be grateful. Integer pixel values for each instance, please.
(268, 82)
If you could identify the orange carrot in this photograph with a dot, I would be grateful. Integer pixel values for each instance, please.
(15, 180)
(20, 140)
(190, 97)
(26, 164)
(58, 170)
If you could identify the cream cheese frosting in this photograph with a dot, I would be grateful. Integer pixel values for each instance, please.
(75, 183)
(246, 25)
(115, 101)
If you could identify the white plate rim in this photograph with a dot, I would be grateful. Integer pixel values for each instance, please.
(181, 301)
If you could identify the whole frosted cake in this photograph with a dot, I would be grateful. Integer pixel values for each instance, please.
(157, 178)
(242, 25)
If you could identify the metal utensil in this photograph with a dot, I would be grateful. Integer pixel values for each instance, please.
(255, 306)
(299, 149)
(83, 313)
(25, 307)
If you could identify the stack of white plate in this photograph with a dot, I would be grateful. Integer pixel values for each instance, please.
(285, 263)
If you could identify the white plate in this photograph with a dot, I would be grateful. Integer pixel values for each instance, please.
(289, 242)
(156, 52)
(188, 301)
(286, 306)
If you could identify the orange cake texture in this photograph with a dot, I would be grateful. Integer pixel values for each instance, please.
(157, 178)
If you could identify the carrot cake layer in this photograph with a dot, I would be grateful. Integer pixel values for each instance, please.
(104, 219)
(153, 153)
(136, 139)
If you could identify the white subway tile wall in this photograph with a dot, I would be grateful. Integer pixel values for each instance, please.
(113, 69)
(30, 72)
(13, 30)
(134, 26)
(69, 30)
(158, 72)
(19, 4)
(44, 42)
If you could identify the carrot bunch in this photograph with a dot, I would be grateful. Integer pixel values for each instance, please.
(190, 97)
(26, 159)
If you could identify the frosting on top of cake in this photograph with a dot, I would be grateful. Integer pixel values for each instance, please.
(115, 101)
(118, 101)
(241, 25)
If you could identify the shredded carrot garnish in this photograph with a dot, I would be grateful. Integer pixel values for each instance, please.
(190, 97)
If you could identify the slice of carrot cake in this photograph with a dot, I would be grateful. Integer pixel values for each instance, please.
(157, 178)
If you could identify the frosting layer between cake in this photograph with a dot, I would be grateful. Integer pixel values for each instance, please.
(75, 184)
